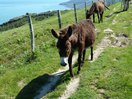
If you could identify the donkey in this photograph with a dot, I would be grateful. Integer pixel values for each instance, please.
(76, 36)
(97, 7)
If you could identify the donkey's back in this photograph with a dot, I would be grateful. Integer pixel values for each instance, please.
(86, 33)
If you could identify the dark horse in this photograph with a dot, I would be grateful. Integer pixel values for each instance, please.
(97, 7)
(77, 36)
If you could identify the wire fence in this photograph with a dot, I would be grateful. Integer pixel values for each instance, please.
(20, 50)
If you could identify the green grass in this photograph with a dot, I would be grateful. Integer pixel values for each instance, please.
(16, 64)
(111, 72)
(18, 70)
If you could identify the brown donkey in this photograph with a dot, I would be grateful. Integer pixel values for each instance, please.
(97, 7)
(77, 36)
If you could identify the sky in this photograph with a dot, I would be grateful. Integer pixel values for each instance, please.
(14, 8)
(30, 1)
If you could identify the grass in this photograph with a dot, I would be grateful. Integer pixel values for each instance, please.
(19, 72)
(111, 72)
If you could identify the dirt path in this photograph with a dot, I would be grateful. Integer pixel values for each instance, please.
(100, 48)
(106, 42)
(71, 88)
(53, 80)
(120, 40)
(74, 83)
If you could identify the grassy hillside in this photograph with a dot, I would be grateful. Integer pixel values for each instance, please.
(18, 70)
(110, 76)
(80, 3)
(22, 20)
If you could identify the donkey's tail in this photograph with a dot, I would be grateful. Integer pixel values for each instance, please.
(106, 7)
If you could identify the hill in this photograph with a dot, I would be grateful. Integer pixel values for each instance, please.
(81, 3)
(109, 76)
(22, 20)
(111, 72)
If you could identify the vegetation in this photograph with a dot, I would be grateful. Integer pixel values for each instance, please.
(22, 20)
(110, 75)
(17, 68)
(80, 3)
(19, 72)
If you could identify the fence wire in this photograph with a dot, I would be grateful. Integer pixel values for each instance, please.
(8, 42)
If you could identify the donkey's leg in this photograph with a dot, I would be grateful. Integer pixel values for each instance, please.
(91, 52)
(93, 18)
(98, 17)
(79, 62)
(70, 64)
(101, 16)
(84, 52)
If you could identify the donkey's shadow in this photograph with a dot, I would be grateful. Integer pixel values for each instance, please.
(108, 16)
(32, 88)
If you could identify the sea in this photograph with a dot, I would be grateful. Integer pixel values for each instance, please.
(15, 8)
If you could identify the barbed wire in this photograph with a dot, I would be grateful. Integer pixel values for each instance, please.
(9, 42)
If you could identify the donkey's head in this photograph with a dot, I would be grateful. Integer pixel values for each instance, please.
(88, 15)
(63, 44)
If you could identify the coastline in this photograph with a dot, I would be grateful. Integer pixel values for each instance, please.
(14, 11)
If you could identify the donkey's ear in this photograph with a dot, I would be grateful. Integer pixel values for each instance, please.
(55, 34)
(69, 31)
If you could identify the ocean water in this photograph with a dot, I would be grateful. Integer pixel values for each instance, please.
(14, 8)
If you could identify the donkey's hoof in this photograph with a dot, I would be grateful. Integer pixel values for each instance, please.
(78, 72)
(71, 75)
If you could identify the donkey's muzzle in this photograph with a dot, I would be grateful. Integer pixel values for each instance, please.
(64, 61)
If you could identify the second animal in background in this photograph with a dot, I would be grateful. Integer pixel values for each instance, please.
(97, 7)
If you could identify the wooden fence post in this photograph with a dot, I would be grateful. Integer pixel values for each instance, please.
(31, 33)
(75, 12)
(59, 19)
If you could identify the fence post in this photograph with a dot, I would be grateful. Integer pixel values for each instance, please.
(31, 33)
(59, 19)
(75, 12)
